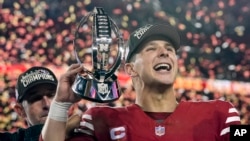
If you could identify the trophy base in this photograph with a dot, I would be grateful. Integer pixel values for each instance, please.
(92, 90)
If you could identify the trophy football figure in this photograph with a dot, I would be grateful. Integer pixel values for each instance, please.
(100, 84)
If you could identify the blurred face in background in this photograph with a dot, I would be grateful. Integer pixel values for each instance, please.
(35, 105)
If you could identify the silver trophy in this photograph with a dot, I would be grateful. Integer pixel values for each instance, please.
(100, 84)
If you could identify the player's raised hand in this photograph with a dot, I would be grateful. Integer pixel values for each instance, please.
(64, 92)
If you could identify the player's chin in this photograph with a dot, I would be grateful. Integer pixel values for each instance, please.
(165, 80)
(167, 83)
(43, 119)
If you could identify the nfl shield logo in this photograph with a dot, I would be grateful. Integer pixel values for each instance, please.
(102, 88)
(160, 130)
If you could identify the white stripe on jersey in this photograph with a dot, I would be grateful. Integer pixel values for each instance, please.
(224, 131)
(87, 116)
(232, 119)
(83, 131)
(233, 110)
(86, 124)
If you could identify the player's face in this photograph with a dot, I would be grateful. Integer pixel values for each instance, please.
(156, 63)
(36, 106)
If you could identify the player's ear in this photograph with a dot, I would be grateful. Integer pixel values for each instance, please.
(129, 68)
(19, 110)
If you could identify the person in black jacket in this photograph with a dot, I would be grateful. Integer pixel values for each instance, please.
(35, 90)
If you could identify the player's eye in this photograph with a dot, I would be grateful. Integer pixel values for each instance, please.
(150, 48)
(33, 99)
(39, 96)
(51, 94)
(170, 49)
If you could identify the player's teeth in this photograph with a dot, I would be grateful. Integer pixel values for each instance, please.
(163, 66)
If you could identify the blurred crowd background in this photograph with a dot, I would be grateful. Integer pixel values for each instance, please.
(214, 59)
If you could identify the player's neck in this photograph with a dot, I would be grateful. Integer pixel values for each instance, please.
(152, 102)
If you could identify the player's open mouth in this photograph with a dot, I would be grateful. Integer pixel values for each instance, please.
(163, 66)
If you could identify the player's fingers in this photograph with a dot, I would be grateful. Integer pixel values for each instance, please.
(72, 123)
(74, 66)
(74, 69)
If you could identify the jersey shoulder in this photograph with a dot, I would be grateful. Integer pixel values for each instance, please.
(211, 104)
(222, 111)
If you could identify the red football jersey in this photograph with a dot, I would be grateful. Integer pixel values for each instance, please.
(191, 121)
